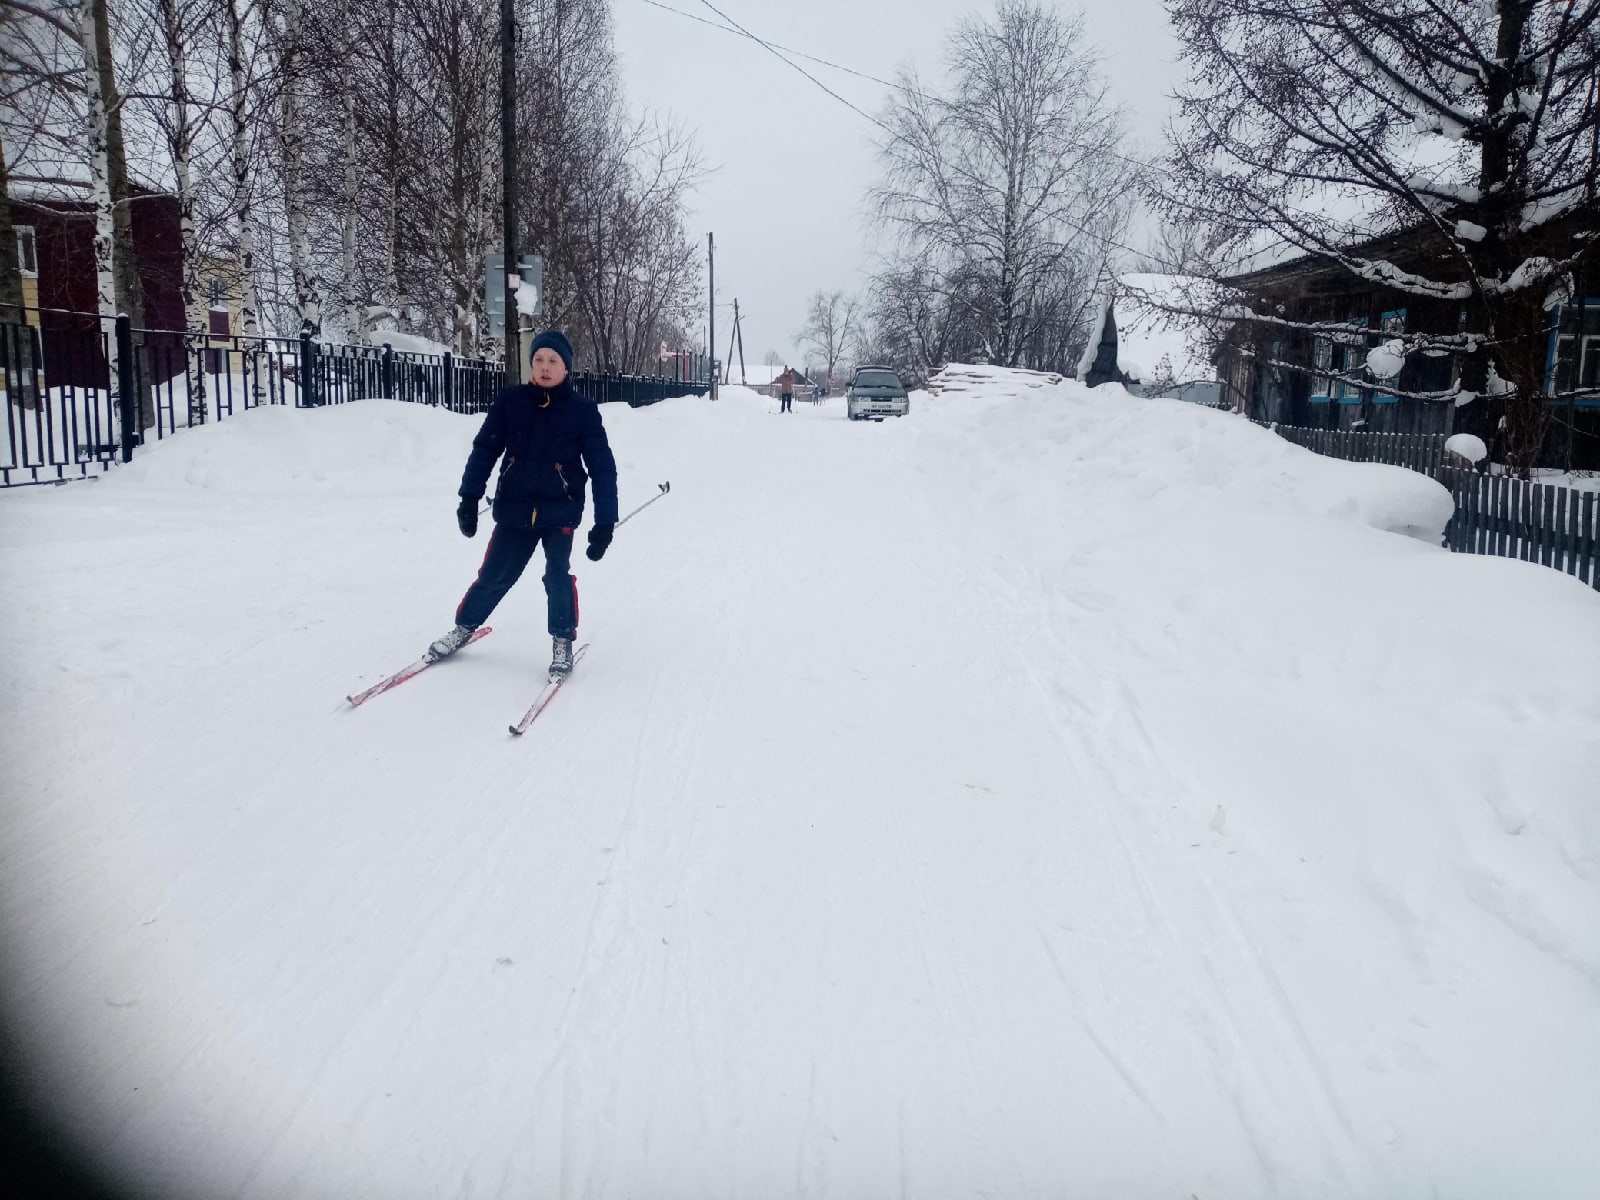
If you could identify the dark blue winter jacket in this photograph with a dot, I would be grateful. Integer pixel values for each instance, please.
(553, 443)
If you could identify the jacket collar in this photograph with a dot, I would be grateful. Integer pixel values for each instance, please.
(542, 397)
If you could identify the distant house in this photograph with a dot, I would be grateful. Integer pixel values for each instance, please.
(1139, 342)
(55, 232)
(55, 227)
(1293, 377)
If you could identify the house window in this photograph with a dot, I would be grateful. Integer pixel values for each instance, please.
(1390, 324)
(219, 293)
(27, 251)
(1574, 355)
(1321, 366)
(1349, 357)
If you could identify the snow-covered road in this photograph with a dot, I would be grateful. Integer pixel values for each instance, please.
(1049, 794)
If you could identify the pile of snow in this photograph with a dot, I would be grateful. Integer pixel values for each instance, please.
(1387, 360)
(1052, 792)
(1468, 445)
(410, 343)
(992, 382)
(1145, 449)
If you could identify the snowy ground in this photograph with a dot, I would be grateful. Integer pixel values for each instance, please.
(1049, 794)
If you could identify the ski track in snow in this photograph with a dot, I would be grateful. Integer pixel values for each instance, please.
(1036, 796)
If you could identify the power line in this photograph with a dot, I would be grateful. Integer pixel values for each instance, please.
(740, 31)
(732, 26)
(777, 54)
(786, 49)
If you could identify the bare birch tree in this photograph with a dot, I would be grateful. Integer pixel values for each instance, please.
(292, 53)
(178, 22)
(91, 16)
(241, 81)
(1005, 177)
(829, 328)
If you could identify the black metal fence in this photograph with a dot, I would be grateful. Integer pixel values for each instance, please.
(1495, 514)
(82, 392)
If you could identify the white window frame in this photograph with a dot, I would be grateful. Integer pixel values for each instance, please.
(26, 237)
(1349, 351)
(1321, 365)
(1579, 349)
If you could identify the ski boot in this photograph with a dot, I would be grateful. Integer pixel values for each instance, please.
(449, 643)
(560, 658)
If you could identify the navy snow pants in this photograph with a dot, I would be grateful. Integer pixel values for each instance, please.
(508, 554)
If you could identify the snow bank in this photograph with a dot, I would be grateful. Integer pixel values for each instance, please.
(305, 455)
(1145, 449)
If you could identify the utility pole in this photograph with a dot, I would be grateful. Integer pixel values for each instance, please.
(515, 367)
(711, 271)
(727, 366)
(738, 331)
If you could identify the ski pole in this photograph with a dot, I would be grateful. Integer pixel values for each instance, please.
(665, 488)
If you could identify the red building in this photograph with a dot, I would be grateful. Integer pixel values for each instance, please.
(65, 288)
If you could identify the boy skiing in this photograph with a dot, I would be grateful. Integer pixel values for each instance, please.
(553, 442)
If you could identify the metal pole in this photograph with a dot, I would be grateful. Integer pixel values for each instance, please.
(711, 269)
(127, 415)
(514, 366)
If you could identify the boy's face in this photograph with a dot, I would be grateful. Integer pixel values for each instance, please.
(548, 369)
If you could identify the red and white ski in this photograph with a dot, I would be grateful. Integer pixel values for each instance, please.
(415, 669)
(548, 694)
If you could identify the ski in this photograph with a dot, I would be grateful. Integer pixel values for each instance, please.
(547, 695)
(416, 668)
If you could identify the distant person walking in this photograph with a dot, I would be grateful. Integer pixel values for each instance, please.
(786, 383)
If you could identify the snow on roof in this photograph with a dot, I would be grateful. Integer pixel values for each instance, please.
(1154, 343)
(955, 378)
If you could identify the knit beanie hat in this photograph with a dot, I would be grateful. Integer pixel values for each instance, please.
(552, 339)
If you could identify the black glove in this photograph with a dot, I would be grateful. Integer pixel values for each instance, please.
(467, 516)
(599, 539)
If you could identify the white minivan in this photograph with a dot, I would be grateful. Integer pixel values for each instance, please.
(875, 393)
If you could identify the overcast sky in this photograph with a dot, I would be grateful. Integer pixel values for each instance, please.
(791, 163)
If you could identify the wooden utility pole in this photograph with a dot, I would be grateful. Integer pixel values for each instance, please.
(738, 332)
(515, 368)
(736, 338)
(711, 273)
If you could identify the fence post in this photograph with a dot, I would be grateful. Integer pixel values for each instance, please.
(310, 389)
(449, 388)
(126, 407)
